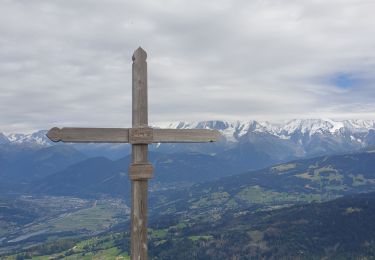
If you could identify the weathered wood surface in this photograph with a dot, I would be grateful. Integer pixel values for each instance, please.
(139, 171)
(143, 135)
(139, 220)
(89, 135)
(139, 89)
(139, 157)
(185, 135)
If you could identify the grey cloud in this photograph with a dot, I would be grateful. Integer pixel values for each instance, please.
(69, 62)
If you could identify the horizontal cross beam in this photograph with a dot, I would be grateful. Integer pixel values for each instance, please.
(132, 135)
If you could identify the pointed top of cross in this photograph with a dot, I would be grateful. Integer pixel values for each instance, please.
(139, 54)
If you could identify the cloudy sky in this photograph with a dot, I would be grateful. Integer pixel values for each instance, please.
(68, 63)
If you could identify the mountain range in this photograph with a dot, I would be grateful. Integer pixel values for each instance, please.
(296, 138)
(27, 158)
(234, 130)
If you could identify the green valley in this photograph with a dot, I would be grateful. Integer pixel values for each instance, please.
(301, 208)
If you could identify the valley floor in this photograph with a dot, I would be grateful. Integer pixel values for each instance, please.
(343, 228)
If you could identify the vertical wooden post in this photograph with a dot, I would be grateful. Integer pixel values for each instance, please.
(140, 170)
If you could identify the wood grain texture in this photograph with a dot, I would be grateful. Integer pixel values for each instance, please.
(139, 157)
(89, 135)
(185, 135)
(140, 171)
(139, 220)
(142, 135)
(139, 89)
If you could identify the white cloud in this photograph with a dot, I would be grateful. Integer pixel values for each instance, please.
(69, 62)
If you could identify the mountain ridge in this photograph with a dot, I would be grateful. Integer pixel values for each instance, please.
(233, 130)
(274, 142)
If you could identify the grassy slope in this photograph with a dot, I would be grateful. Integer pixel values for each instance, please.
(340, 229)
(317, 179)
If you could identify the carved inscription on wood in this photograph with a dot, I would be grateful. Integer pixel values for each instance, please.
(141, 135)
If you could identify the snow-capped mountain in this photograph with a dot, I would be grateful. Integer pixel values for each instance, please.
(37, 138)
(280, 141)
(244, 144)
(289, 140)
(233, 131)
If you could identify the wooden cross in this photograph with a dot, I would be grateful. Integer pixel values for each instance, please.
(139, 136)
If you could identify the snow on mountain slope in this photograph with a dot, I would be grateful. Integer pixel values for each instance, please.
(313, 126)
(232, 131)
(311, 135)
(358, 126)
(37, 138)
